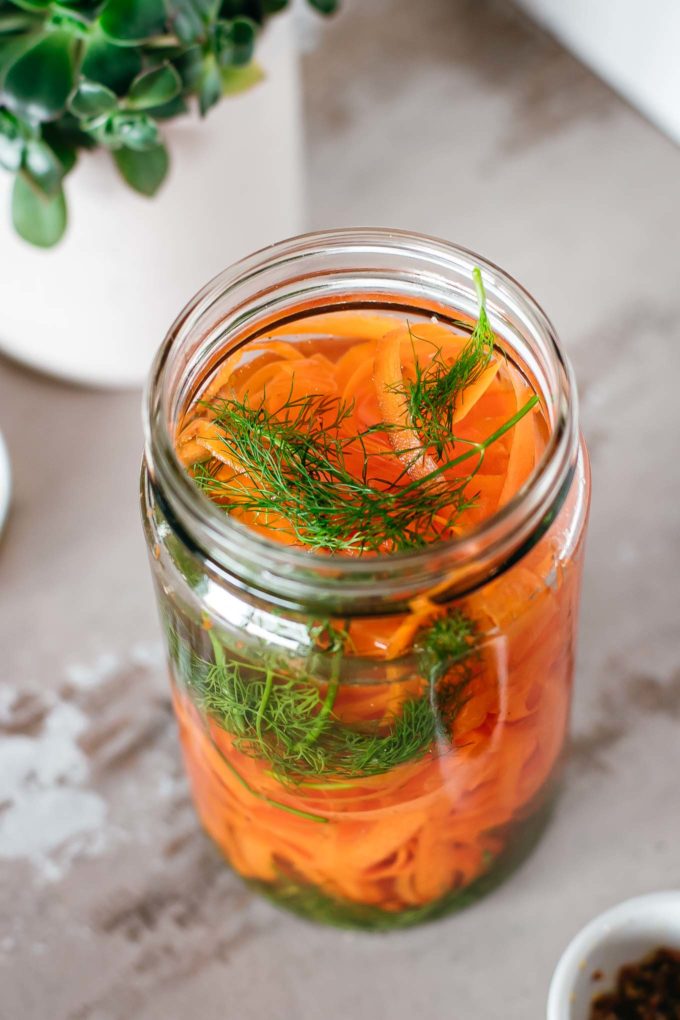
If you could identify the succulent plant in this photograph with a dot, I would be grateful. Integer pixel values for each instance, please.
(77, 74)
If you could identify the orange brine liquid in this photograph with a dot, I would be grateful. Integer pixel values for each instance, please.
(400, 762)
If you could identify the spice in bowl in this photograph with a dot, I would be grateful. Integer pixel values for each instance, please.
(646, 990)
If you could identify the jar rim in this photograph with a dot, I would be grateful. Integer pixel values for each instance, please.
(448, 568)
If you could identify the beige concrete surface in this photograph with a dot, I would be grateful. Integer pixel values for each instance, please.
(459, 119)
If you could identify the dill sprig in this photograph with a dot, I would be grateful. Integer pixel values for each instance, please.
(288, 719)
(301, 463)
(298, 459)
(432, 396)
(300, 472)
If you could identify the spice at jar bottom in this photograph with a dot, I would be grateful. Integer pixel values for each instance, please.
(647, 990)
(368, 745)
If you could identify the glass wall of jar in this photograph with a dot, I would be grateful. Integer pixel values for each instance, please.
(371, 741)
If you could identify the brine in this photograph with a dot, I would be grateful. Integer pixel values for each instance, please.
(374, 768)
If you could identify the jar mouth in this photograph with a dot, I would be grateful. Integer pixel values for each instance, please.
(336, 267)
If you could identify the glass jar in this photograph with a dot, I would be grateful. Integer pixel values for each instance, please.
(379, 789)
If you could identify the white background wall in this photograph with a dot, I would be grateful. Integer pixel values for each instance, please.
(632, 44)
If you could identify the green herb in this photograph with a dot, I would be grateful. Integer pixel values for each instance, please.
(285, 720)
(432, 397)
(74, 75)
(310, 901)
(309, 816)
(296, 462)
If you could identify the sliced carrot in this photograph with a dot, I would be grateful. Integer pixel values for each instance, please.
(483, 490)
(472, 393)
(389, 382)
(284, 349)
(355, 325)
(402, 639)
(406, 837)
(191, 442)
(347, 363)
(252, 385)
(523, 443)
(395, 355)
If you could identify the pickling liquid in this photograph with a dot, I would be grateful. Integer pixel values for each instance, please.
(377, 770)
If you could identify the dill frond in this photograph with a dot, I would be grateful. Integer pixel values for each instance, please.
(288, 720)
(296, 458)
(432, 397)
(299, 466)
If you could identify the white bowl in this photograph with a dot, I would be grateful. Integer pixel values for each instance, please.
(624, 934)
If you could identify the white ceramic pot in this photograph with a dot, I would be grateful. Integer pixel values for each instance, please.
(625, 934)
(632, 44)
(94, 308)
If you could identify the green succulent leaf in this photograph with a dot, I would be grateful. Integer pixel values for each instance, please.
(12, 141)
(234, 41)
(154, 88)
(190, 66)
(32, 5)
(11, 48)
(111, 65)
(76, 24)
(187, 27)
(240, 79)
(189, 18)
(38, 218)
(243, 40)
(273, 6)
(135, 131)
(38, 84)
(129, 22)
(92, 99)
(209, 85)
(66, 134)
(169, 110)
(43, 166)
(14, 22)
(77, 74)
(325, 6)
(63, 146)
(143, 171)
